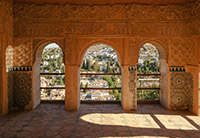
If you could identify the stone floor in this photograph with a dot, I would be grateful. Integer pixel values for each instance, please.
(100, 120)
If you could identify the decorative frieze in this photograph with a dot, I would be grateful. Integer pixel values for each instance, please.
(63, 29)
(177, 69)
(118, 12)
(20, 68)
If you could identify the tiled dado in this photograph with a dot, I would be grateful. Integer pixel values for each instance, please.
(177, 69)
(181, 88)
(19, 86)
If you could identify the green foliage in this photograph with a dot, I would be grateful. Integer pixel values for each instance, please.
(110, 82)
(95, 66)
(88, 66)
(86, 86)
(148, 95)
(108, 67)
(149, 66)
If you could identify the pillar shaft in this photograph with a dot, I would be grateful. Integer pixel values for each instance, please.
(72, 88)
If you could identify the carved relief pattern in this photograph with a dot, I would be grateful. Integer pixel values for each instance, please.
(182, 51)
(133, 50)
(181, 91)
(133, 84)
(103, 12)
(119, 19)
(24, 29)
(22, 52)
(68, 47)
(6, 17)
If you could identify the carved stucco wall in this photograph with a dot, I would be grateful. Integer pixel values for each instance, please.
(136, 21)
(172, 26)
(6, 39)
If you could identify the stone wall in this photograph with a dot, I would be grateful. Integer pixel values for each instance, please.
(6, 39)
(172, 28)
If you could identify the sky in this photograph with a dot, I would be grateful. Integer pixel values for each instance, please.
(52, 45)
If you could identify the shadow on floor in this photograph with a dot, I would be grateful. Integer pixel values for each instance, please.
(99, 120)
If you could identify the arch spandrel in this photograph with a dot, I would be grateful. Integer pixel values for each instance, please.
(84, 45)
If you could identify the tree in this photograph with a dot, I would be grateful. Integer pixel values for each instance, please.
(96, 66)
(108, 67)
(81, 85)
(83, 65)
(88, 66)
(86, 86)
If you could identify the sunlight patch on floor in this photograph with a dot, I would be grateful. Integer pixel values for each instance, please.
(195, 119)
(123, 119)
(175, 122)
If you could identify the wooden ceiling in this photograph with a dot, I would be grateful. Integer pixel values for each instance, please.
(104, 1)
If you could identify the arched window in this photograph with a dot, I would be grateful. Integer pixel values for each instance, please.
(52, 73)
(148, 81)
(9, 57)
(100, 74)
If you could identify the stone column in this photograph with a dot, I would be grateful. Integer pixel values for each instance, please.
(129, 87)
(36, 83)
(71, 87)
(164, 83)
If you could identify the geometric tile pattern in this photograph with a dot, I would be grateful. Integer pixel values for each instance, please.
(22, 89)
(181, 91)
(182, 51)
(177, 69)
(10, 91)
(22, 52)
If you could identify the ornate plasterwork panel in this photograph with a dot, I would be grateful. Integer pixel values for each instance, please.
(182, 51)
(181, 91)
(63, 29)
(22, 52)
(133, 84)
(54, 20)
(6, 18)
(125, 12)
(69, 50)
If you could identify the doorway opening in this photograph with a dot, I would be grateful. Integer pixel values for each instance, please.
(148, 74)
(52, 74)
(100, 75)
